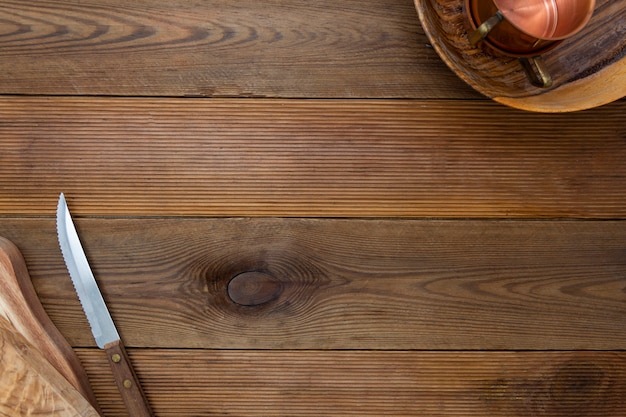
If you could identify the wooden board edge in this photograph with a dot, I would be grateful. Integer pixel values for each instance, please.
(599, 89)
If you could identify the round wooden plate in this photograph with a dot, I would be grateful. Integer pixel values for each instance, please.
(588, 69)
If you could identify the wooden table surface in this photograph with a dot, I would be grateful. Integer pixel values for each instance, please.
(294, 208)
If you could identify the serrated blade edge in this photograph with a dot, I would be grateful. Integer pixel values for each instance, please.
(98, 316)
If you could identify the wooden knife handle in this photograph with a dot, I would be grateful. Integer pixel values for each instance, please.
(126, 380)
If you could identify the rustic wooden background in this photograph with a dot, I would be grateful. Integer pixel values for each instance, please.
(294, 208)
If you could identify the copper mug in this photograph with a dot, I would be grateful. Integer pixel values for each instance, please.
(527, 28)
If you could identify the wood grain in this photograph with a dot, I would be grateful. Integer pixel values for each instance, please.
(343, 284)
(368, 383)
(30, 386)
(253, 157)
(161, 120)
(216, 48)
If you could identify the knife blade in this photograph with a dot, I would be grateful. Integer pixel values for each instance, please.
(98, 316)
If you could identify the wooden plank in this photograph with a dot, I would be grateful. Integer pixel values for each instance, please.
(369, 383)
(341, 284)
(249, 157)
(212, 48)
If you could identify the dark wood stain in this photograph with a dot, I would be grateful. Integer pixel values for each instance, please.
(580, 387)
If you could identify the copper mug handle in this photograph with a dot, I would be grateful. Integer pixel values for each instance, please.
(487, 26)
(536, 71)
(535, 68)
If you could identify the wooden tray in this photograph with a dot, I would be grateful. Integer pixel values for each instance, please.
(588, 69)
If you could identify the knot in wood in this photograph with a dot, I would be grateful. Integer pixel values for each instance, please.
(254, 288)
(579, 387)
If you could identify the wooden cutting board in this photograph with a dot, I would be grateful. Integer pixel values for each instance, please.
(588, 69)
(30, 385)
(40, 373)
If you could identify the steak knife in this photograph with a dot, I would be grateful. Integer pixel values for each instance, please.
(100, 321)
